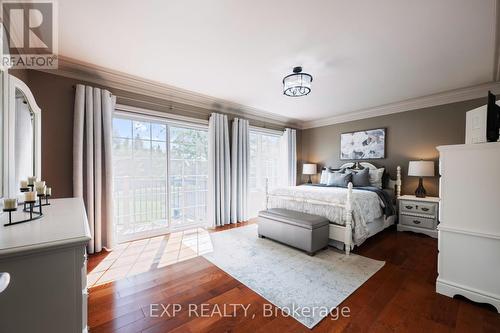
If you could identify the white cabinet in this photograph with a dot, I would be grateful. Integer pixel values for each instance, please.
(46, 261)
(469, 229)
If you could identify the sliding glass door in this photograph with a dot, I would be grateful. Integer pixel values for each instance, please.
(160, 176)
(264, 166)
(188, 176)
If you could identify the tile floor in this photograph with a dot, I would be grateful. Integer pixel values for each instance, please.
(140, 256)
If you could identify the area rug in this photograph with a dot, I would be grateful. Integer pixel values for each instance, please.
(300, 285)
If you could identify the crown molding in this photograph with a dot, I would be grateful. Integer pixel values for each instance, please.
(109, 78)
(452, 96)
(121, 81)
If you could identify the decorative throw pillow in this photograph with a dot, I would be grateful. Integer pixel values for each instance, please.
(376, 176)
(324, 177)
(338, 179)
(360, 177)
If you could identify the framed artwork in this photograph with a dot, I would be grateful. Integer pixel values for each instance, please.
(363, 145)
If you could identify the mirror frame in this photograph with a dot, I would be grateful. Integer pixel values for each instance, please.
(15, 83)
(4, 139)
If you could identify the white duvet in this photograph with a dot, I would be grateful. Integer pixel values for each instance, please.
(367, 206)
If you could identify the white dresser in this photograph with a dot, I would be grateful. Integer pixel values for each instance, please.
(469, 229)
(46, 260)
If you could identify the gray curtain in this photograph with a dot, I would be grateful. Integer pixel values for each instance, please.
(289, 157)
(92, 163)
(219, 174)
(240, 158)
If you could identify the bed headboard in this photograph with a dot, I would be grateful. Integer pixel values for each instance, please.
(393, 183)
(357, 164)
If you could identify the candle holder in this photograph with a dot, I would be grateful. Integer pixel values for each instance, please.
(9, 210)
(30, 189)
(37, 215)
(40, 205)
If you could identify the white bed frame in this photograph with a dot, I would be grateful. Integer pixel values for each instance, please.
(343, 233)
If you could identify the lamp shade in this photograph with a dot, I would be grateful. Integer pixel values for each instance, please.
(309, 169)
(421, 168)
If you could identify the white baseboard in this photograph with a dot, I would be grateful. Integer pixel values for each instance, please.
(451, 289)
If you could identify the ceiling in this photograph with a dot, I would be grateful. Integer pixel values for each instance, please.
(362, 54)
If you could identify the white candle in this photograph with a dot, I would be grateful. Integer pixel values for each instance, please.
(24, 183)
(31, 180)
(9, 203)
(48, 191)
(41, 183)
(41, 189)
(30, 196)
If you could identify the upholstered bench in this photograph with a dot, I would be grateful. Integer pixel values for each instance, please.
(300, 230)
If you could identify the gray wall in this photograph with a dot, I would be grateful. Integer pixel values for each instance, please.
(410, 135)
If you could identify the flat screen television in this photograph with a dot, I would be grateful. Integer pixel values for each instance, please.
(492, 119)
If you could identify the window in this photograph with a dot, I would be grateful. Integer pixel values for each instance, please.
(188, 175)
(160, 176)
(264, 164)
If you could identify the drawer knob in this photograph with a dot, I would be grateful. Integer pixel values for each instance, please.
(425, 209)
(409, 207)
(416, 221)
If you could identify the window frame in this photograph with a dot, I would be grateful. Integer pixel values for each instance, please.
(170, 120)
(267, 132)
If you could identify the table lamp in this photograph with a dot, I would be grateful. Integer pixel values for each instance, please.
(309, 169)
(421, 169)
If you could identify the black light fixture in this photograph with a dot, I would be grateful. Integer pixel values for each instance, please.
(297, 84)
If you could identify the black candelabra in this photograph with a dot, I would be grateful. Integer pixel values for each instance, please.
(31, 207)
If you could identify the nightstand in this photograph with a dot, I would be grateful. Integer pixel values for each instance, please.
(419, 214)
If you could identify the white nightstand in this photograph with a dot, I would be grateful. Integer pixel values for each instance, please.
(419, 214)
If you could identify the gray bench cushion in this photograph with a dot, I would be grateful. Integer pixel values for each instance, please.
(298, 219)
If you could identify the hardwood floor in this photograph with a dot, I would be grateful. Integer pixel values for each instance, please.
(400, 297)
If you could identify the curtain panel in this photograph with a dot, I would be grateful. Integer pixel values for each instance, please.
(289, 157)
(219, 171)
(92, 162)
(240, 158)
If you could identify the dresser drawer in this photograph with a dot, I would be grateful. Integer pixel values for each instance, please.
(418, 207)
(420, 222)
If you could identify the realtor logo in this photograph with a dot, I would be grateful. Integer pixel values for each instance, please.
(29, 36)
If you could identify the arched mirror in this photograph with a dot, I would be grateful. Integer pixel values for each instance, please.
(24, 134)
(4, 83)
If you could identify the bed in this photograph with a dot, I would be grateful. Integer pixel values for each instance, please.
(355, 214)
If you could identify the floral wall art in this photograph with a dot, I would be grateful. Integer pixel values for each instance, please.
(363, 145)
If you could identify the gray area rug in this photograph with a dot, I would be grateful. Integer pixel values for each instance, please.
(305, 287)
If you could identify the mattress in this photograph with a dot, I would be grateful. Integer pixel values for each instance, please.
(328, 202)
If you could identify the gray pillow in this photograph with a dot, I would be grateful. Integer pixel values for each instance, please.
(376, 176)
(324, 176)
(361, 177)
(338, 179)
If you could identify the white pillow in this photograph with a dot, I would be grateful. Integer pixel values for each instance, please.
(324, 177)
(376, 177)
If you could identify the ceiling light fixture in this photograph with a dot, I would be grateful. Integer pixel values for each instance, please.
(297, 84)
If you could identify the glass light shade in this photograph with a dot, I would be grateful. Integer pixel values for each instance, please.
(297, 84)
(309, 169)
(421, 168)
